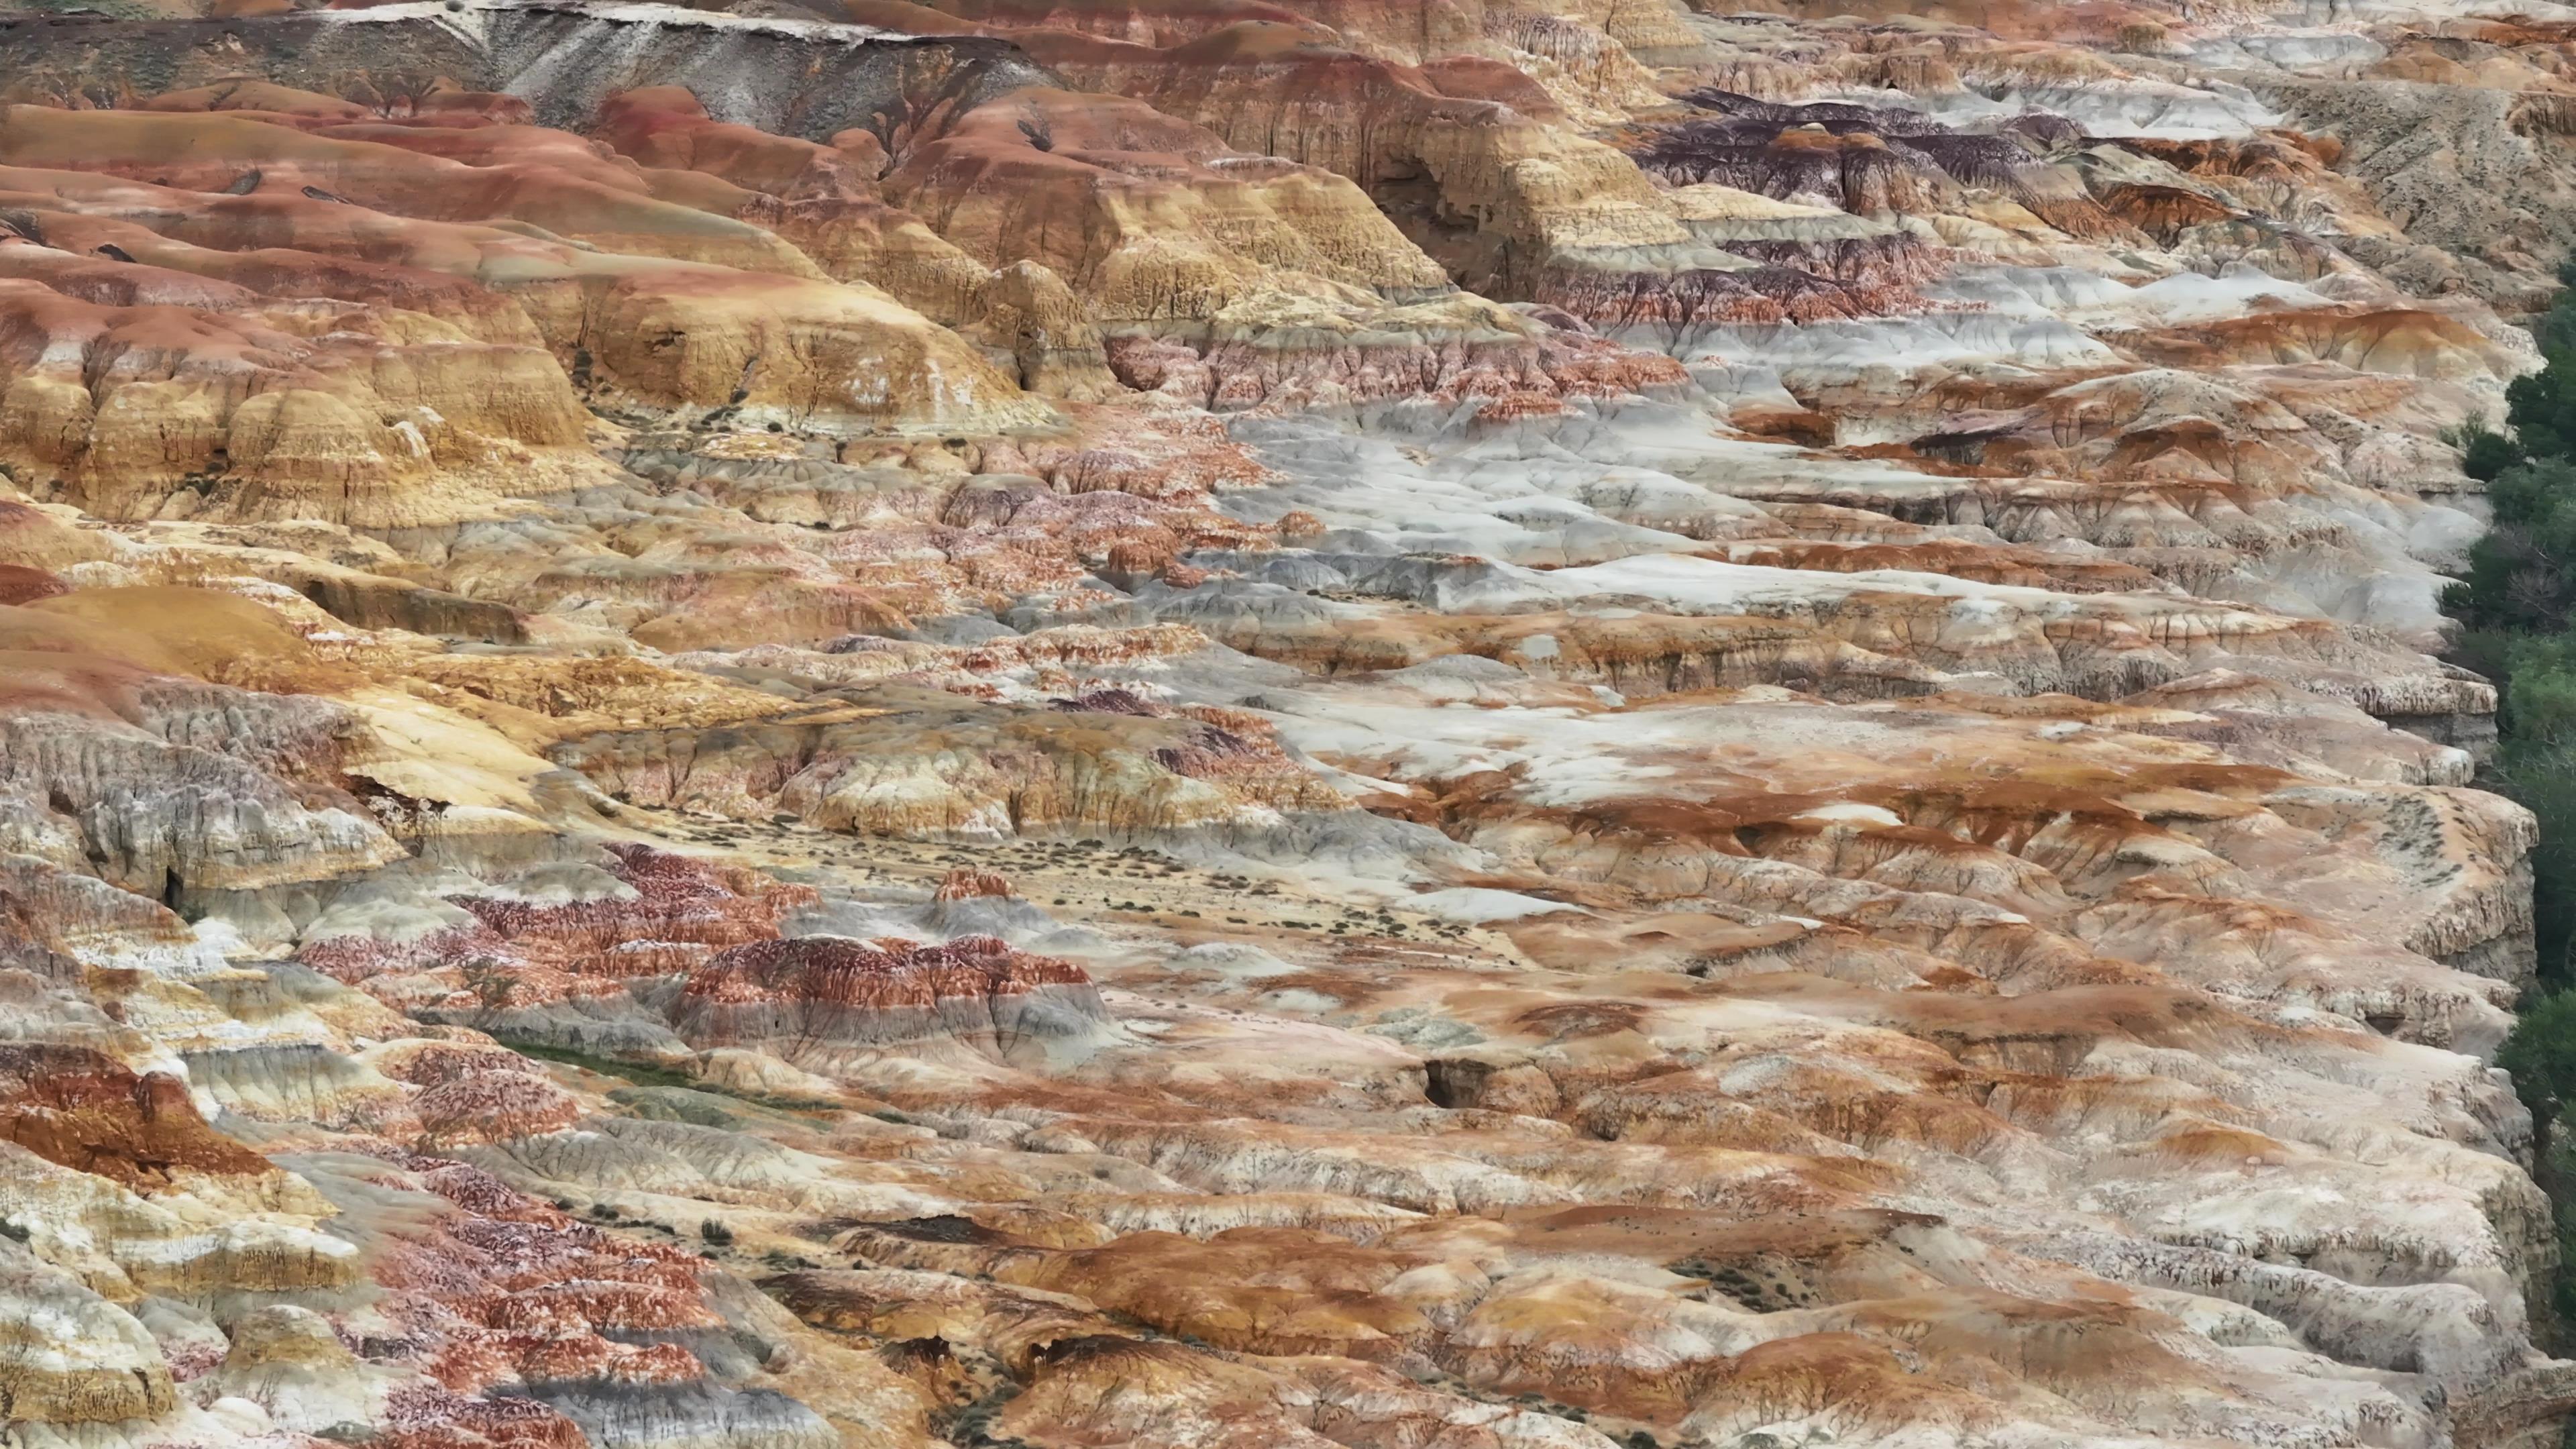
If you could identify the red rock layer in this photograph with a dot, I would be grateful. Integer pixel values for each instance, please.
(823, 994)
(84, 1110)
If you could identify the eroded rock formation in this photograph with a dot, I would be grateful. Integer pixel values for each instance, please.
(1469, 727)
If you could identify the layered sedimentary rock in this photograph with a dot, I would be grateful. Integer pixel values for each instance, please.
(1260, 723)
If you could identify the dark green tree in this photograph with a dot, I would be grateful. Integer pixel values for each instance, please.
(2541, 407)
(2522, 574)
(2486, 453)
(2541, 1054)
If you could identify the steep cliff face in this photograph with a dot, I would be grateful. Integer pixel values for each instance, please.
(1245, 723)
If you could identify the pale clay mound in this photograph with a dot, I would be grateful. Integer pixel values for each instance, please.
(856, 725)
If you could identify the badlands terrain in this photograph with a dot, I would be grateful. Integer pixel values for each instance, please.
(1263, 724)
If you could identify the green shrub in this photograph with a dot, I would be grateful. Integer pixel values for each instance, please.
(2518, 599)
(2540, 694)
(2488, 454)
(2484, 452)
(2541, 1054)
(2543, 780)
(2522, 573)
(2541, 407)
(2556, 329)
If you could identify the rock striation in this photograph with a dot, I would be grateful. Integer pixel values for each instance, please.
(842, 724)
